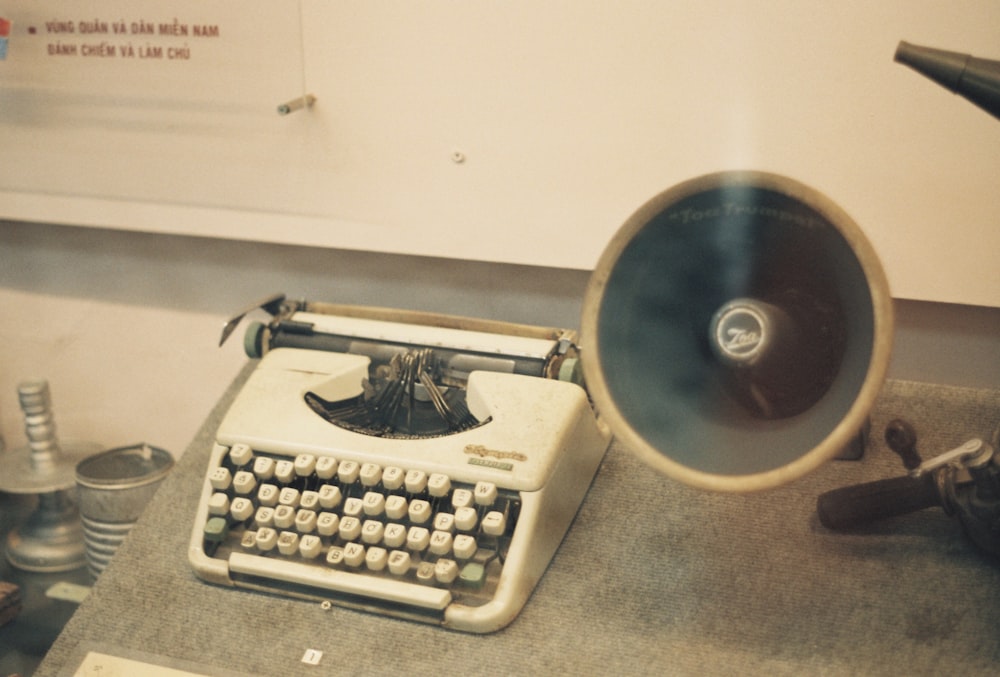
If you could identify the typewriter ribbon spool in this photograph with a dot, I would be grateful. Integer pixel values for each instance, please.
(736, 331)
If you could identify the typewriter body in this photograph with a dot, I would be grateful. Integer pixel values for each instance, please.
(416, 465)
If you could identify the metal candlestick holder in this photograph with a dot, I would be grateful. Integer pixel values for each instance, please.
(51, 539)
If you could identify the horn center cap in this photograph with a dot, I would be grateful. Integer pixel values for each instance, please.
(740, 332)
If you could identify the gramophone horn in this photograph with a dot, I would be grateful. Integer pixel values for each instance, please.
(736, 331)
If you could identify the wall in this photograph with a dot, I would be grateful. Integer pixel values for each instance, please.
(125, 325)
(470, 129)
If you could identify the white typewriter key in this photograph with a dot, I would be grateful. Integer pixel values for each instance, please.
(348, 471)
(395, 535)
(374, 503)
(445, 570)
(244, 482)
(494, 523)
(267, 495)
(376, 558)
(370, 474)
(465, 546)
(335, 555)
(420, 511)
(486, 493)
(392, 478)
(284, 516)
(396, 507)
(461, 498)
(263, 468)
(326, 467)
(304, 464)
(399, 562)
(416, 481)
(264, 516)
(305, 521)
(240, 454)
(350, 528)
(218, 504)
(289, 497)
(309, 500)
(220, 478)
(354, 507)
(417, 539)
(284, 471)
(371, 531)
(329, 496)
(466, 519)
(354, 554)
(440, 543)
(267, 538)
(425, 572)
(310, 546)
(288, 542)
(444, 521)
(438, 485)
(241, 509)
(249, 539)
(327, 523)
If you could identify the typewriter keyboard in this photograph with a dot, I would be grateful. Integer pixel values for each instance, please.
(359, 531)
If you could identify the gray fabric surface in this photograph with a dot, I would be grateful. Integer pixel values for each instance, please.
(653, 578)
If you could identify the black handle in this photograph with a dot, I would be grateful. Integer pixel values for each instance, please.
(860, 504)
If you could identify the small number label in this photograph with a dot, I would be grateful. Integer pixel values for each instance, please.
(312, 657)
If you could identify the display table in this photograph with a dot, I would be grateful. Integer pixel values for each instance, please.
(652, 578)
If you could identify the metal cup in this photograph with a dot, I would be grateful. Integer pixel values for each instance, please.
(114, 487)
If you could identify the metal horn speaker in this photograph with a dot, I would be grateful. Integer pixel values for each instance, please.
(736, 331)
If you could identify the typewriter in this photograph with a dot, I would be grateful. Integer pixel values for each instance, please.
(416, 465)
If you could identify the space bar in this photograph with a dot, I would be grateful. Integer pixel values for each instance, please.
(384, 589)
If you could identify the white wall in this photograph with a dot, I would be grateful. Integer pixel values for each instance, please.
(125, 325)
(569, 114)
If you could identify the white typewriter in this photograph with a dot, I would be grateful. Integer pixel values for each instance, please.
(416, 465)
